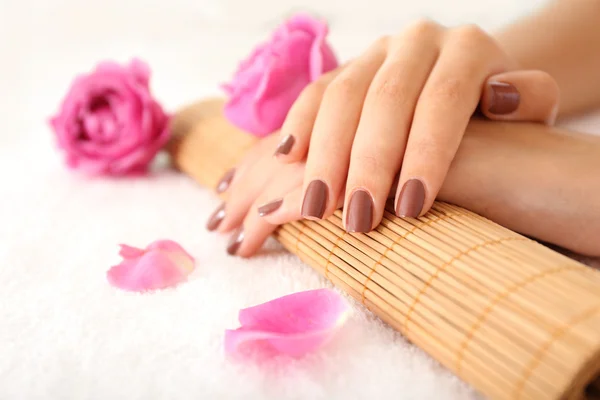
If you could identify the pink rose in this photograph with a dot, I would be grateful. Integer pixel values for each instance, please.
(269, 81)
(109, 123)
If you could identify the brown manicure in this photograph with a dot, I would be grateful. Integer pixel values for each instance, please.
(235, 242)
(285, 146)
(503, 99)
(270, 207)
(360, 212)
(225, 181)
(215, 219)
(411, 199)
(315, 200)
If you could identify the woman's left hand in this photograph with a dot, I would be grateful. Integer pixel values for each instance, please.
(406, 124)
(402, 107)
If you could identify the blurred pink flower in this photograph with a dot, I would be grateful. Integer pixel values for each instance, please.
(294, 325)
(266, 84)
(109, 123)
(162, 264)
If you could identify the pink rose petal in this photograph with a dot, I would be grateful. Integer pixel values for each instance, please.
(129, 251)
(294, 325)
(162, 264)
(268, 82)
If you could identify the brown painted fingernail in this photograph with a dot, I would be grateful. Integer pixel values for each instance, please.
(315, 200)
(215, 219)
(411, 199)
(225, 181)
(270, 207)
(504, 98)
(360, 212)
(285, 146)
(235, 242)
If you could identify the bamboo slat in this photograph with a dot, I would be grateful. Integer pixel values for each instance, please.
(506, 314)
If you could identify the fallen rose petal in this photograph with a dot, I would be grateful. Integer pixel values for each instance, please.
(162, 264)
(130, 252)
(295, 324)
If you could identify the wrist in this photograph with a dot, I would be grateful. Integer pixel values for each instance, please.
(532, 179)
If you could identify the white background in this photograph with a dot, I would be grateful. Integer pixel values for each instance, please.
(191, 44)
(64, 332)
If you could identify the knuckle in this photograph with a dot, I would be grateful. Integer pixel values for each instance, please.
(382, 42)
(379, 46)
(391, 87)
(471, 35)
(341, 88)
(422, 27)
(449, 91)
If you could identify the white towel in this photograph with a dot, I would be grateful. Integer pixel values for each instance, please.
(64, 332)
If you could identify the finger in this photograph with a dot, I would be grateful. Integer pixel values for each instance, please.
(257, 151)
(247, 240)
(385, 122)
(521, 96)
(248, 160)
(298, 125)
(333, 133)
(250, 177)
(281, 210)
(443, 111)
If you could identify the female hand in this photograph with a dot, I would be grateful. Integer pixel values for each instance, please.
(532, 194)
(258, 178)
(402, 107)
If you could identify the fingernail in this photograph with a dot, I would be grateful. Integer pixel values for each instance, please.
(411, 199)
(270, 207)
(215, 219)
(235, 242)
(285, 145)
(504, 98)
(360, 212)
(315, 200)
(223, 184)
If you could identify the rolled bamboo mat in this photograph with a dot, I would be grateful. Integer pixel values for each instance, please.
(504, 313)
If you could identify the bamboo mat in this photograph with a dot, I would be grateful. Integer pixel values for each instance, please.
(506, 314)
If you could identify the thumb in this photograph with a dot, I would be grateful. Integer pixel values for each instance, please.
(520, 96)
